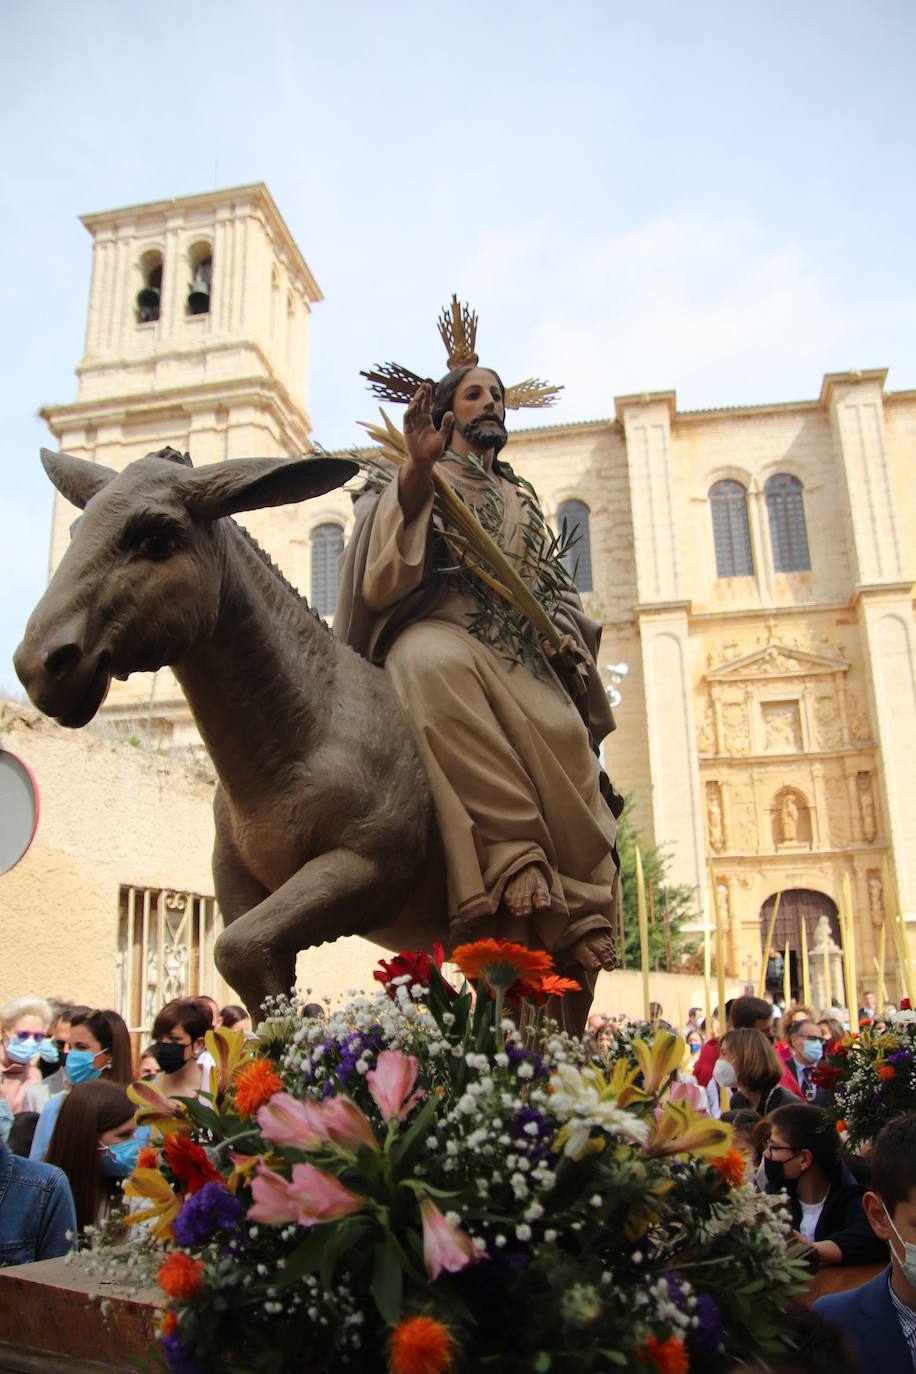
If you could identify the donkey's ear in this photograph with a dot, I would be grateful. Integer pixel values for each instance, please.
(252, 483)
(76, 478)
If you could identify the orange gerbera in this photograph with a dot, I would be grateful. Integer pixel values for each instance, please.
(147, 1157)
(167, 1322)
(841, 1126)
(886, 1071)
(421, 1345)
(500, 963)
(189, 1162)
(669, 1357)
(255, 1085)
(731, 1167)
(180, 1276)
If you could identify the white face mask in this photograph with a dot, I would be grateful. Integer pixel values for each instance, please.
(908, 1263)
(724, 1074)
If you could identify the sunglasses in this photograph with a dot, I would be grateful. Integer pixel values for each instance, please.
(23, 1036)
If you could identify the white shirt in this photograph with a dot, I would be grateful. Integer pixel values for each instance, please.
(811, 1213)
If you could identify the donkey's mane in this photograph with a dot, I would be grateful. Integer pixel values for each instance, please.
(284, 581)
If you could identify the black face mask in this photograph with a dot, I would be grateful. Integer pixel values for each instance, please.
(170, 1058)
(775, 1170)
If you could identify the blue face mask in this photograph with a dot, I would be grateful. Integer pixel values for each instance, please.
(21, 1051)
(48, 1051)
(813, 1050)
(120, 1160)
(6, 1121)
(79, 1066)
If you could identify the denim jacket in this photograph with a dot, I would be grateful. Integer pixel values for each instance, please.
(36, 1210)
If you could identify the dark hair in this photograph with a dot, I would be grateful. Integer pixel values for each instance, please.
(743, 1119)
(88, 1111)
(445, 388)
(191, 1014)
(806, 1127)
(746, 1011)
(233, 1014)
(893, 1162)
(757, 1064)
(313, 1009)
(112, 1034)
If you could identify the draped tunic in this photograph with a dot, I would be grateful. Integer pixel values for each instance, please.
(513, 767)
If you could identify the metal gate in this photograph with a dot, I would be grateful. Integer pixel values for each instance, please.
(165, 950)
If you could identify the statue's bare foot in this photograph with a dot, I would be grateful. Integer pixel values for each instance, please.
(595, 950)
(526, 891)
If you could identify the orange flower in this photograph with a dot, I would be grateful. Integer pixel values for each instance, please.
(555, 986)
(421, 1345)
(255, 1085)
(841, 1126)
(167, 1322)
(147, 1158)
(669, 1357)
(731, 1167)
(500, 963)
(886, 1071)
(180, 1276)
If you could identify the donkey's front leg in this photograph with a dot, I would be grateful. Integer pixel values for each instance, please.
(338, 893)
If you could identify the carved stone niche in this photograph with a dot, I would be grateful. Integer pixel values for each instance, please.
(875, 898)
(867, 811)
(715, 817)
(791, 818)
(782, 727)
(811, 713)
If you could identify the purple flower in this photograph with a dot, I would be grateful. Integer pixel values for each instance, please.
(212, 1208)
(899, 1056)
(178, 1355)
(708, 1332)
(519, 1056)
(535, 1143)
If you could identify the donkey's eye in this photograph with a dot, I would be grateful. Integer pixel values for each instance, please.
(156, 545)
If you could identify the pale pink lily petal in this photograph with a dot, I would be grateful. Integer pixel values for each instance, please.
(285, 1121)
(345, 1124)
(444, 1246)
(272, 1201)
(319, 1196)
(691, 1093)
(390, 1084)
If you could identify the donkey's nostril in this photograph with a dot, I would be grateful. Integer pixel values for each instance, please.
(61, 662)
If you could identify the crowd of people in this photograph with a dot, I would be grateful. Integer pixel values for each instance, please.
(68, 1136)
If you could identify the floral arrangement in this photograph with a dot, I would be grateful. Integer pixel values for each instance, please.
(425, 1183)
(873, 1078)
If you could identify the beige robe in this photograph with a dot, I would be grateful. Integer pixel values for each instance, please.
(514, 776)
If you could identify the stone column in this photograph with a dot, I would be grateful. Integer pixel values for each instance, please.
(822, 939)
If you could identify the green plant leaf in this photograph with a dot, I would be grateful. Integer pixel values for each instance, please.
(406, 1149)
(387, 1281)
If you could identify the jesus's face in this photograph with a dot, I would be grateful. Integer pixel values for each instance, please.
(479, 412)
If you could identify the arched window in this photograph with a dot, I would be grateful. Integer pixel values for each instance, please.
(573, 520)
(149, 296)
(788, 533)
(326, 549)
(730, 530)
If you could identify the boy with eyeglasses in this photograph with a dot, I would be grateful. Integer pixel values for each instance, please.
(881, 1316)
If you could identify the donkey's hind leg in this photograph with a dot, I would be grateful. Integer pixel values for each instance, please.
(338, 893)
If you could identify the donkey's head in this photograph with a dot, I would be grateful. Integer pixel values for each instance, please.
(140, 581)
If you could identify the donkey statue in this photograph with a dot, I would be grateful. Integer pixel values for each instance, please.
(324, 820)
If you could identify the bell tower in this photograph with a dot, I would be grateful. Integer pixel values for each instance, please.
(197, 337)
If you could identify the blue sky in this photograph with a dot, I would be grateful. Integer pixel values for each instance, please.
(711, 197)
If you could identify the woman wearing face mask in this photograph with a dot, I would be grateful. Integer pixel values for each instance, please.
(95, 1145)
(24, 1038)
(750, 1067)
(99, 1046)
(178, 1039)
(801, 1157)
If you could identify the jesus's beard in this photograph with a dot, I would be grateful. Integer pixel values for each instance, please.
(483, 433)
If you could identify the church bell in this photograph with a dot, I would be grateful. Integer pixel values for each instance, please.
(148, 303)
(199, 298)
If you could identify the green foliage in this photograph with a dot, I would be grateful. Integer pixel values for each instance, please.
(680, 901)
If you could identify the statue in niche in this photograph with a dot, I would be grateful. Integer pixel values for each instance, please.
(723, 901)
(715, 820)
(788, 812)
(867, 807)
(876, 901)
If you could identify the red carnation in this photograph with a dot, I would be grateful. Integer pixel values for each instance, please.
(413, 964)
(905, 1004)
(189, 1162)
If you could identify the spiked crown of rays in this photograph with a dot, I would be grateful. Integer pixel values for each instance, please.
(458, 331)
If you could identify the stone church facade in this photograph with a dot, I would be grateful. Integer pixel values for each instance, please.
(752, 566)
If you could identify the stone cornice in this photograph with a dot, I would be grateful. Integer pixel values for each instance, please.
(257, 193)
(854, 377)
(646, 398)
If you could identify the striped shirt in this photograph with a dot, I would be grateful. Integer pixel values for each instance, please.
(907, 1318)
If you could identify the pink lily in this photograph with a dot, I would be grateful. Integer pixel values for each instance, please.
(310, 1125)
(312, 1197)
(390, 1084)
(444, 1246)
(691, 1093)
